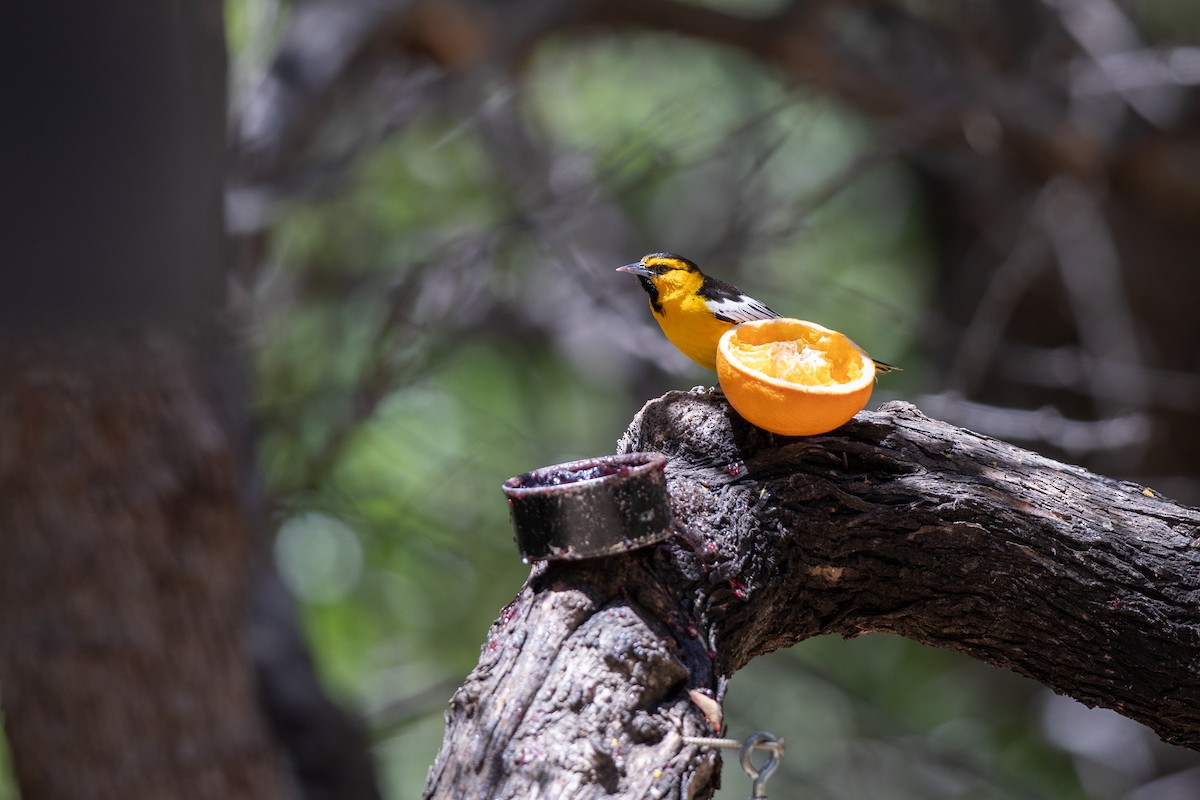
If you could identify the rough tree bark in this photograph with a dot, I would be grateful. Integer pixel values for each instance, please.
(123, 587)
(895, 522)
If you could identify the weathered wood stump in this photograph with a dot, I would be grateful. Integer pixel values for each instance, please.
(895, 522)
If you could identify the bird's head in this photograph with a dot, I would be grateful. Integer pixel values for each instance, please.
(664, 273)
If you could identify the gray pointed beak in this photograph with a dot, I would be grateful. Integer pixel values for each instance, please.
(636, 269)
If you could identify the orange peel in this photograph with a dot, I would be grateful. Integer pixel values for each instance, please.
(793, 377)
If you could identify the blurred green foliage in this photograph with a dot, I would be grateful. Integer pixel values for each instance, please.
(717, 147)
(883, 717)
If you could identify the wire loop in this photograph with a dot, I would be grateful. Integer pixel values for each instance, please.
(759, 740)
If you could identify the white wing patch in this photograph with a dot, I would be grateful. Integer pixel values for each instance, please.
(741, 309)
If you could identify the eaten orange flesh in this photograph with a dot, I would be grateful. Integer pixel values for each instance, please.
(793, 377)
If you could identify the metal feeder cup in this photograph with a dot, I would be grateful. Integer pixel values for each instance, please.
(594, 507)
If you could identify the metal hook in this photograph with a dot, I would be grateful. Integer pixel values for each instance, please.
(761, 740)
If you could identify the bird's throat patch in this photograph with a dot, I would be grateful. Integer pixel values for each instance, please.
(652, 290)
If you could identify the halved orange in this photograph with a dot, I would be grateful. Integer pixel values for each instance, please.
(793, 377)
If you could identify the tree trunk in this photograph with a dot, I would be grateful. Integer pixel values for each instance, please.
(125, 561)
(123, 587)
(894, 522)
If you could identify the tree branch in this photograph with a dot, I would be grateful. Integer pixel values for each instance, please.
(894, 522)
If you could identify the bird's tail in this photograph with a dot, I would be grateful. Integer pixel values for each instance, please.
(882, 367)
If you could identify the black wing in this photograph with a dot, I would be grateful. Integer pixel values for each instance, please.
(729, 303)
